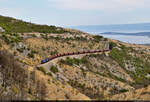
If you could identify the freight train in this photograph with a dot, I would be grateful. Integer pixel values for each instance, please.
(75, 53)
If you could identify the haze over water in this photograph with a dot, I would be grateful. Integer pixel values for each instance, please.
(129, 38)
(134, 39)
(131, 33)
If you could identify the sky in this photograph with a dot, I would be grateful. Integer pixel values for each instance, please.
(77, 12)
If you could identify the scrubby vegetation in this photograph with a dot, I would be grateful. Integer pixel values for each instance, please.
(98, 76)
(97, 38)
(42, 69)
(49, 73)
(54, 52)
(12, 25)
(31, 55)
(16, 82)
(112, 44)
(119, 56)
(140, 66)
(54, 69)
(11, 37)
(123, 90)
(14, 78)
(70, 61)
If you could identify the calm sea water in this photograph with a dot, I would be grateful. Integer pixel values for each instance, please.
(129, 38)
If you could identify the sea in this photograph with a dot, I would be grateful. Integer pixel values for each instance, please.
(134, 39)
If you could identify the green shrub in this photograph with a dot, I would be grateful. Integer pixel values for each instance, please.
(31, 55)
(15, 53)
(34, 51)
(33, 35)
(90, 46)
(20, 50)
(112, 44)
(49, 73)
(54, 69)
(45, 37)
(73, 45)
(105, 39)
(123, 90)
(42, 69)
(97, 38)
(30, 91)
(69, 61)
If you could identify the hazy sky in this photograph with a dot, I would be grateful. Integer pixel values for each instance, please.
(77, 12)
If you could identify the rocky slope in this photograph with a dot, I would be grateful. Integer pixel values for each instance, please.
(102, 76)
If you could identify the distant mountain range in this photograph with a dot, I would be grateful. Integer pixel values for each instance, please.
(126, 28)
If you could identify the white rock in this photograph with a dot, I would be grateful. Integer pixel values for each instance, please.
(148, 75)
(1, 29)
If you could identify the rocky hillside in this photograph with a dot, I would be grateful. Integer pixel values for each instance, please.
(101, 76)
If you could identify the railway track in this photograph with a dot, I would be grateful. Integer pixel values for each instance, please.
(73, 53)
(107, 47)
